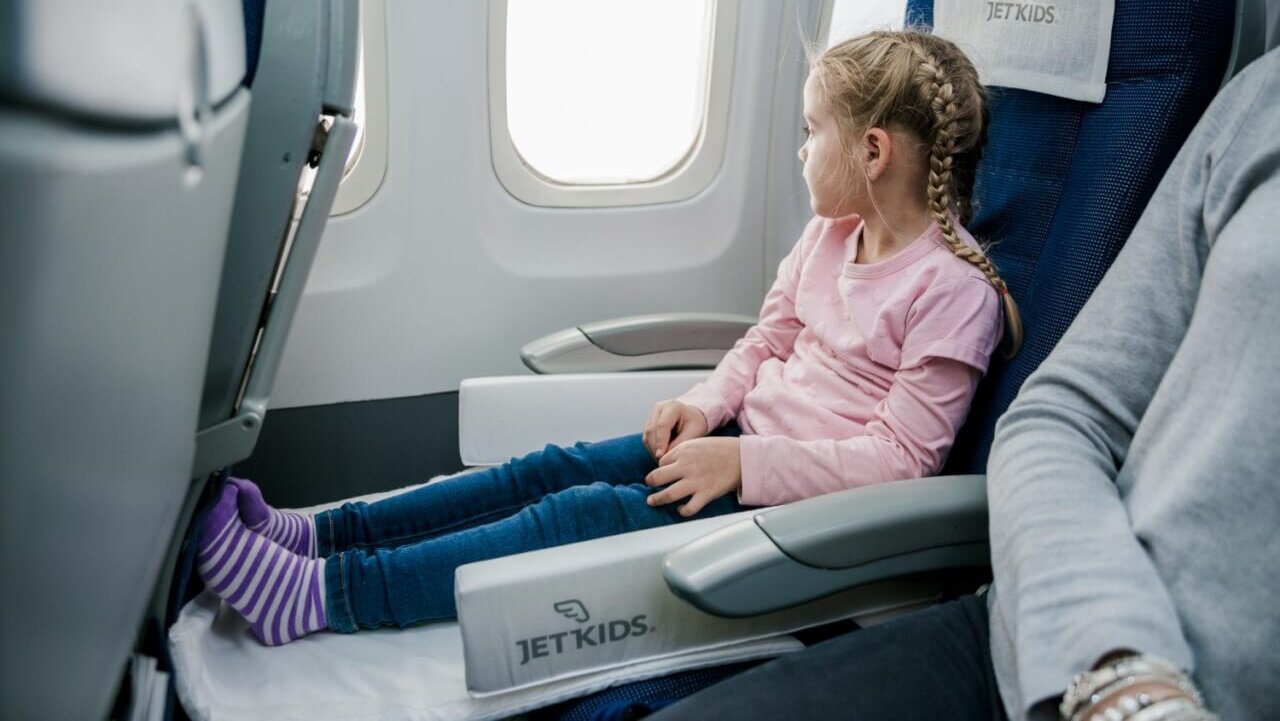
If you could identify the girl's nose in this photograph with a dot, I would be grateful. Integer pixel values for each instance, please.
(801, 154)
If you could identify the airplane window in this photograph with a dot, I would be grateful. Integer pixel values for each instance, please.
(367, 162)
(357, 114)
(850, 18)
(606, 93)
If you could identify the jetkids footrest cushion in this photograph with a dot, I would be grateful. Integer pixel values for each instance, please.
(413, 674)
(588, 607)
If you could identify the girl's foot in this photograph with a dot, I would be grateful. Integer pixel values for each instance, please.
(295, 531)
(280, 594)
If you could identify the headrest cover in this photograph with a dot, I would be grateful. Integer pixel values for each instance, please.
(1057, 48)
(127, 61)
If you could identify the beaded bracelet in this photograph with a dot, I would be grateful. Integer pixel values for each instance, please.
(1088, 688)
(1171, 709)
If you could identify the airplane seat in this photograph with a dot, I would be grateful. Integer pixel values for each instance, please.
(301, 65)
(1061, 187)
(121, 127)
(1081, 175)
(295, 87)
(303, 96)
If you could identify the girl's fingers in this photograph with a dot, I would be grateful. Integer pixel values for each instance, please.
(649, 422)
(662, 476)
(669, 457)
(652, 427)
(666, 420)
(695, 504)
(674, 492)
(685, 435)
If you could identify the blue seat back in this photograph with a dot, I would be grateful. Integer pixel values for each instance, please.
(1062, 182)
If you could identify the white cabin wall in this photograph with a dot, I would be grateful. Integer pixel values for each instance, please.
(443, 275)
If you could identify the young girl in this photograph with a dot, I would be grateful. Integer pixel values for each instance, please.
(869, 347)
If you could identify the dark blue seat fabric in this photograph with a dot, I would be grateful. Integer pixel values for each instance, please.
(253, 13)
(1063, 182)
(639, 699)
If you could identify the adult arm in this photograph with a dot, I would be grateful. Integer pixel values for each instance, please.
(1073, 581)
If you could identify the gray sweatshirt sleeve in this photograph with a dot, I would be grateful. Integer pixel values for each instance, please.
(1072, 580)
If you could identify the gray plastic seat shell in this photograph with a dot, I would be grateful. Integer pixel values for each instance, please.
(121, 128)
(306, 68)
(109, 256)
(864, 525)
(664, 341)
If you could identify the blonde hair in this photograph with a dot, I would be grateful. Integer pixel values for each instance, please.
(926, 86)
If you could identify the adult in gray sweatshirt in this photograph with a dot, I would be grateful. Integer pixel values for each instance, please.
(1134, 484)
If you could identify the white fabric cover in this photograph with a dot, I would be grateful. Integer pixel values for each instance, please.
(503, 417)
(550, 615)
(1058, 48)
(222, 673)
(413, 674)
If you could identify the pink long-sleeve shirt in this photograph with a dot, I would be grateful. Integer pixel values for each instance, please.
(856, 373)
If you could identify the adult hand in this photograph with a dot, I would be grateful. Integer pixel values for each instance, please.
(671, 423)
(702, 470)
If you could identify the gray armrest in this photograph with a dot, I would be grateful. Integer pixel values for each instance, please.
(644, 342)
(796, 553)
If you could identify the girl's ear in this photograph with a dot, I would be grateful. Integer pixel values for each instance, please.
(876, 150)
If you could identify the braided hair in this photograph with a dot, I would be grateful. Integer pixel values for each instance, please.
(926, 86)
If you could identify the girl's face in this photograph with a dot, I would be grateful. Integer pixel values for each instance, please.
(827, 171)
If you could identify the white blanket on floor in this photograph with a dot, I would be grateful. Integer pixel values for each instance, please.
(414, 674)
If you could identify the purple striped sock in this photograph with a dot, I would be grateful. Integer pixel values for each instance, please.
(280, 594)
(294, 531)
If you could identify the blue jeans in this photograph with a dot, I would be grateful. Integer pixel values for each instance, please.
(392, 562)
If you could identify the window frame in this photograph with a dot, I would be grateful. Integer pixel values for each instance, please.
(686, 179)
(367, 169)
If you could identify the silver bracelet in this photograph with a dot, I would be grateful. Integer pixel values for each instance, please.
(1088, 688)
(1173, 709)
(1141, 708)
(1127, 705)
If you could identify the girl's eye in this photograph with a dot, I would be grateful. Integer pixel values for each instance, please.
(805, 131)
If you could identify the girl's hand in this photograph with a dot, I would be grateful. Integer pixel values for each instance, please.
(670, 418)
(701, 470)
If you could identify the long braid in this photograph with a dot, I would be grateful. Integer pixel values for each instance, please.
(941, 178)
